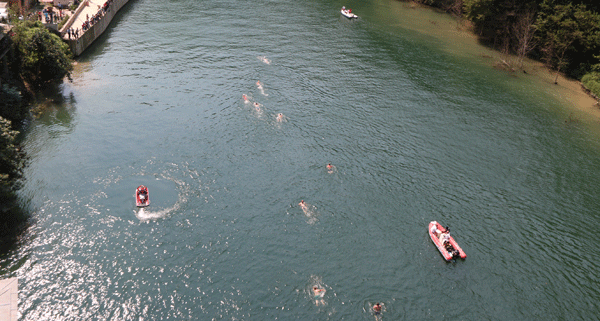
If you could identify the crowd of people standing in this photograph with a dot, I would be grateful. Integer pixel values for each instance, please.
(74, 33)
(50, 15)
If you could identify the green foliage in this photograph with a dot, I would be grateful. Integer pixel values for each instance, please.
(10, 160)
(43, 55)
(592, 82)
(11, 163)
(566, 33)
(13, 12)
(478, 11)
(63, 21)
(569, 36)
(10, 103)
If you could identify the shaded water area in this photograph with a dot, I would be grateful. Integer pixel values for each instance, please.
(416, 131)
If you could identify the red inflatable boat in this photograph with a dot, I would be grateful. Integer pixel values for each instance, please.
(142, 198)
(450, 250)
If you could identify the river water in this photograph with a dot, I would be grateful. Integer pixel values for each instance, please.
(416, 130)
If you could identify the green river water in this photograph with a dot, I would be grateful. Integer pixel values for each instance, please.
(409, 111)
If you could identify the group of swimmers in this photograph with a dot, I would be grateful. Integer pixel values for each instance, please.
(302, 204)
(257, 106)
(319, 292)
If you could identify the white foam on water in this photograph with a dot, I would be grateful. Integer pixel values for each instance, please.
(143, 215)
(264, 59)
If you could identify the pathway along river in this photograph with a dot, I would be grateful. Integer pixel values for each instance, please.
(416, 133)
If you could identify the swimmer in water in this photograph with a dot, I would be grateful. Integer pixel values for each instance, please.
(303, 205)
(264, 59)
(318, 292)
(377, 308)
(261, 88)
(279, 117)
(246, 100)
(330, 168)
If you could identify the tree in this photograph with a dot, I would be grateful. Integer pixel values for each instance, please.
(569, 35)
(524, 31)
(11, 162)
(10, 103)
(12, 216)
(43, 55)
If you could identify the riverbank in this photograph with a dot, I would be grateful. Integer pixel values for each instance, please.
(456, 36)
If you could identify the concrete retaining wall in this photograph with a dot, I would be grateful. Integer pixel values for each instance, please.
(86, 39)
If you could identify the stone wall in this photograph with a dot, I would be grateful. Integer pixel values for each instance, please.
(86, 39)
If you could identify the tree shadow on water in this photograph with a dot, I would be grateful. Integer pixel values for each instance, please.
(14, 221)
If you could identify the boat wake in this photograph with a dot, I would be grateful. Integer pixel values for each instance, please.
(144, 215)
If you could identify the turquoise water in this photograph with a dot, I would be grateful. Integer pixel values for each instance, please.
(415, 133)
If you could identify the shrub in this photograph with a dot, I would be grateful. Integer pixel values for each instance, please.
(43, 55)
(63, 21)
(10, 103)
(592, 82)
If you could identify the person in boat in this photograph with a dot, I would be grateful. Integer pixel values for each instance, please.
(448, 246)
(455, 253)
(445, 236)
(143, 191)
(377, 308)
(451, 250)
(435, 231)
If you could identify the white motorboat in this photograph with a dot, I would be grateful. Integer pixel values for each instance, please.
(348, 13)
